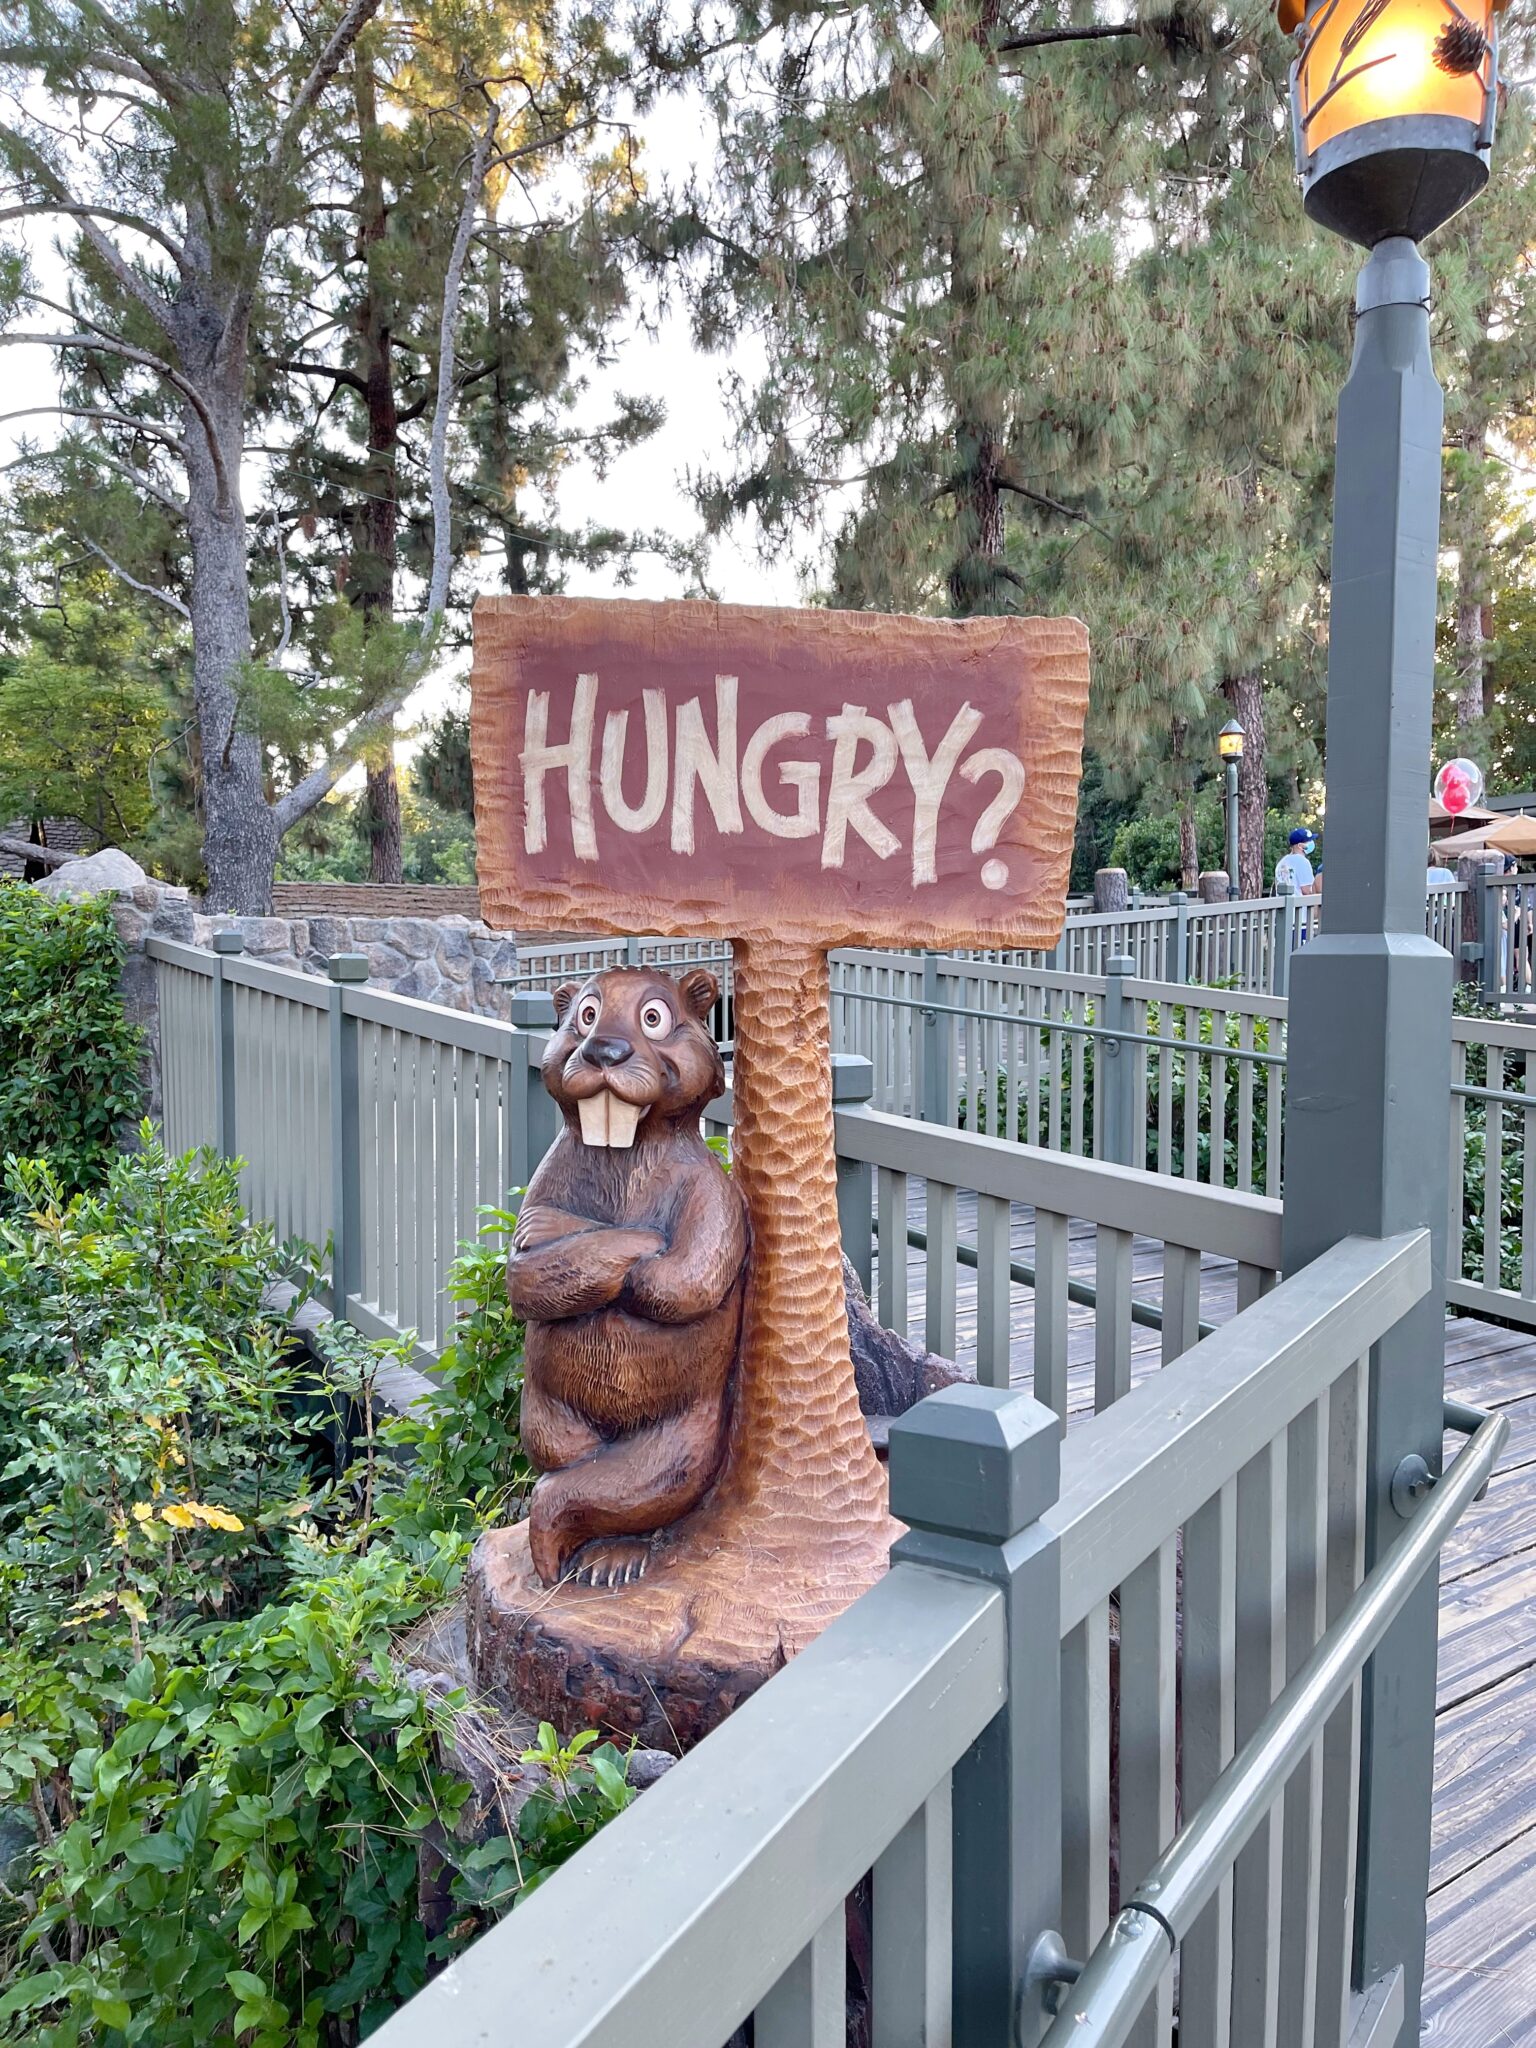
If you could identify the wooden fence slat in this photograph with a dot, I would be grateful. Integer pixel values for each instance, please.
(1147, 1750)
(1261, 1488)
(1341, 1738)
(994, 1290)
(1112, 1316)
(1085, 1782)
(1208, 1707)
(913, 1900)
(891, 1275)
(941, 1271)
(1306, 1514)
(1053, 1244)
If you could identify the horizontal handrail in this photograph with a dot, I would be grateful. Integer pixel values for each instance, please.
(177, 953)
(463, 1028)
(1180, 992)
(1102, 2007)
(1135, 1474)
(1216, 1220)
(292, 984)
(676, 1921)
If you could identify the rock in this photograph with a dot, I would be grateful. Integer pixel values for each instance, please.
(268, 937)
(416, 937)
(108, 873)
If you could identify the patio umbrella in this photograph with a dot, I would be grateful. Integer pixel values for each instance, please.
(1513, 835)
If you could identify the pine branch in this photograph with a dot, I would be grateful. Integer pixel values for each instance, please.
(151, 428)
(166, 597)
(1037, 38)
(30, 209)
(104, 344)
(346, 32)
(306, 369)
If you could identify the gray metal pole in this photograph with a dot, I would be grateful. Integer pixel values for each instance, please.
(1232, 855)
(1368, 1083)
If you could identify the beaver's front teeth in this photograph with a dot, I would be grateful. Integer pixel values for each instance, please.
(606, 1120)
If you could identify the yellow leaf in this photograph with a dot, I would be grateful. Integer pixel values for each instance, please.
(178, 1516)
(132, 1604)
(215, 1518)
(143, 1511)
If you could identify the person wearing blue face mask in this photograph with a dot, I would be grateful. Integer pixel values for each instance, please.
(1294, 868)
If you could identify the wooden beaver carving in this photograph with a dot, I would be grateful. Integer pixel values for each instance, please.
(628, 1267)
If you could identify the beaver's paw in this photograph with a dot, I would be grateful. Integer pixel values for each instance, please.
(609, 1561)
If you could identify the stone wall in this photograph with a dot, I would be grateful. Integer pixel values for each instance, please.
(455, 961)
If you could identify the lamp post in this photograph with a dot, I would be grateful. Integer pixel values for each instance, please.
(1229, 745)
(1393, 104)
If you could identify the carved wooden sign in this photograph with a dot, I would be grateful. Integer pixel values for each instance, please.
(721, 771)
(789, 781)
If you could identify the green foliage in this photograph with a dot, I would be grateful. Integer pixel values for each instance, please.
(437, 844)
(68, 1056)
(228, 1777)
(145, 1398)
(80, 724)
(1148, 847)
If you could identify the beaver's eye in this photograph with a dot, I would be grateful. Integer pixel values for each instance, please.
(587, 1016)
(655, 1020)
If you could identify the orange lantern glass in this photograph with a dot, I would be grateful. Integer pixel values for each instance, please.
(1393, 106)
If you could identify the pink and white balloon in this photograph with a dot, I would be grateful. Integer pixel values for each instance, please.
(1459, 785)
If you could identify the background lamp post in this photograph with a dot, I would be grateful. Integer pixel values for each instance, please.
(1229, 745)
(1393, 104)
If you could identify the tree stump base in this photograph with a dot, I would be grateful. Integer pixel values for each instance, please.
(666, 1659)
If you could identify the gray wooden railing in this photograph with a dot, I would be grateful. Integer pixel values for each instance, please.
(932, 1739)
(436, 1115)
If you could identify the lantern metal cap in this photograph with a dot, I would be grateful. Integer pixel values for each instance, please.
(1403, 176)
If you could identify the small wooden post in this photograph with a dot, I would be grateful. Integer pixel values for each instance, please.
(1111, 890)
(1213, 886)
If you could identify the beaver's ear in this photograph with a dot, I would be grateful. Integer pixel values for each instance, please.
(700, 992)
(563, 998)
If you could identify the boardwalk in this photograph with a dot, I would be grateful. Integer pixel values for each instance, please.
(1480, 1980)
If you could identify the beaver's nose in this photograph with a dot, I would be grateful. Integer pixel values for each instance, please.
(607, 1052)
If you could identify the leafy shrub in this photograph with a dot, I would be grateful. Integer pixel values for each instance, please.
(1148, 848)
(68, 1056)
(227, 1775)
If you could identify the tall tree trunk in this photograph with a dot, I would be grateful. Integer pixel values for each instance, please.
(973, 578)
(377, 520)
(1471, 587)
(1245, 694)
(520, 549)
(239, 833)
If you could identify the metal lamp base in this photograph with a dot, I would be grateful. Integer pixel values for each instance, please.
(1405, 176)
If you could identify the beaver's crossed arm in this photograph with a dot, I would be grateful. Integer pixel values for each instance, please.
(555, 1273)
(709, 1243)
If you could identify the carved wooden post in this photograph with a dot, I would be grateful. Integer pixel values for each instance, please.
(625, 785)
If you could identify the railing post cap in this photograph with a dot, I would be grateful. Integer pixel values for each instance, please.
(975, 1461)
(347, 966)
(1120, 963)
(853, 1077)
(533, 1009)
(228, 942)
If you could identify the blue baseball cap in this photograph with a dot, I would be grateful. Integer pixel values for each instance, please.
(1301, 836)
